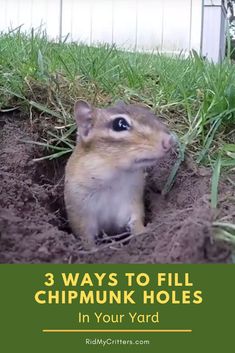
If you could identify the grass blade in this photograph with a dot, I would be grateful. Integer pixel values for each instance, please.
(215, 182)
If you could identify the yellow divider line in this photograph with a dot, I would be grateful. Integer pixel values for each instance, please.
(99, 331)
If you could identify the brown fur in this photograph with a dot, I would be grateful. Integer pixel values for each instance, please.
(104, 178)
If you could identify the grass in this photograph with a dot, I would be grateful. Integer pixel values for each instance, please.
(197, 98)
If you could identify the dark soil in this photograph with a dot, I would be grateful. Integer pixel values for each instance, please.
(34, 229)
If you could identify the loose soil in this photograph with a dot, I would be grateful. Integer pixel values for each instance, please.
(34, 229)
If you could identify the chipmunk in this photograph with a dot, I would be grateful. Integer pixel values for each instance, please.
(104, 176)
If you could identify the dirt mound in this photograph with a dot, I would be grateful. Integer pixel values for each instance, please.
(34, 229)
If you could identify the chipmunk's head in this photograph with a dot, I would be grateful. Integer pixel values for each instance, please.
(126, 136)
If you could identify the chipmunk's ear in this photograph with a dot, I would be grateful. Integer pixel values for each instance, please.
(120, 104)
(83, 117)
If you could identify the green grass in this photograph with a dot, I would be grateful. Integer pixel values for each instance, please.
(197, 98)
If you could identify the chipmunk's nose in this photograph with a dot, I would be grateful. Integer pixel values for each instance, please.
(168, 141)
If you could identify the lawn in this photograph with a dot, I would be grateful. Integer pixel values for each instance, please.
(43, 79)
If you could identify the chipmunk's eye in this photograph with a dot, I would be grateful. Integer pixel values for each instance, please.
(120, 124)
